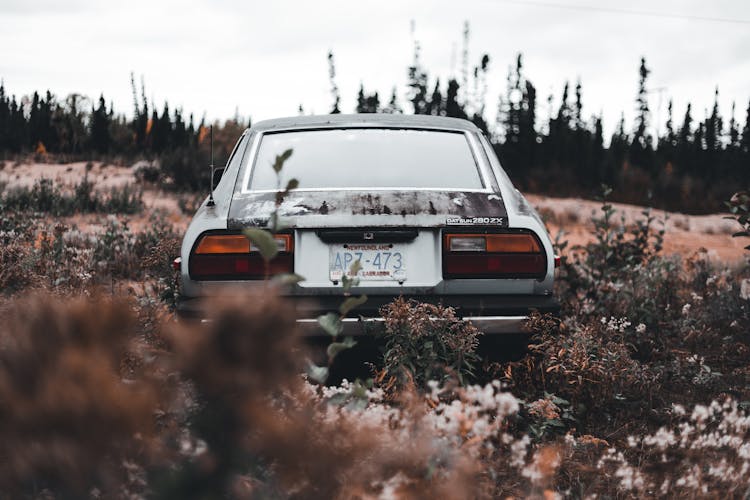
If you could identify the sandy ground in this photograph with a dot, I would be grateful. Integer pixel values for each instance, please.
(685, 234)
(104, 177)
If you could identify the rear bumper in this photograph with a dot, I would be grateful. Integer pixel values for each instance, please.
(491, 314)
(489, 325)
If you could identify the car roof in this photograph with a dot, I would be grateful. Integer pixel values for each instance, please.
(395, 120)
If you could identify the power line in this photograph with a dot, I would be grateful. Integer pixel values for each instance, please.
(614, 10)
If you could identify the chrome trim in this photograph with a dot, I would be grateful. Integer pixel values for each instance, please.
(436, 190)
(250, 163)
(490, 325)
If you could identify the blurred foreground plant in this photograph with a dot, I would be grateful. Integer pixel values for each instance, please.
(68, 421)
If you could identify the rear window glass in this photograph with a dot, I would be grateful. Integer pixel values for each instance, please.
(369, 159)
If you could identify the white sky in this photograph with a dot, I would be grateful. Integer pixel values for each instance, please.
(264, 59)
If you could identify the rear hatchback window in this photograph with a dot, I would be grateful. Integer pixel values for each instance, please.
(368, 159)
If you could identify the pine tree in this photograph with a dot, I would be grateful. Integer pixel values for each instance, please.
(179, 131)
(714, 126)
(641, 135)
(99, 127)
(47, 131)
(436, 106)
(745, 142)
(4, 119)
(685, 143)
(527, 135)
(74, 119)
(734, 131)
(393, 106)
(463, 98)
(667, 144)
(417, 83)
(743, 151)
(597, 154)
(367, 103)
(583, 157)
(17, 130)
(453, 107)
(618, 148)
(140, 113)
(161, 130)
(641, 152)
(560, 139)
(361, 101)
(334, 88)
(578, 107)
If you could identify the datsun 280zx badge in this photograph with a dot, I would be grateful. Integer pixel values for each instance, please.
(476, 221)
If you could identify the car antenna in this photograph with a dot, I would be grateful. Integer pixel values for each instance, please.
(211, 202)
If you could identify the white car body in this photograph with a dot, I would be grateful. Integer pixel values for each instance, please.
(347, 221)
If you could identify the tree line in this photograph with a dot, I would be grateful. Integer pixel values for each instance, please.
(692, 165)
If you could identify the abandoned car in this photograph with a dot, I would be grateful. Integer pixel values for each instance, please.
(421, 202)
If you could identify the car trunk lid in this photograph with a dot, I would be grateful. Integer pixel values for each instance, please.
(356, 209)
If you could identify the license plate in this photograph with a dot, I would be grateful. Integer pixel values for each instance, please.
(380, 262)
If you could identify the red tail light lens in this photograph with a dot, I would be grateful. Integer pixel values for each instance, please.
(231, 257)
(502, 255)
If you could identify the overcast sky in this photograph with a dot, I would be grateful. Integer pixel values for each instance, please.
(264, 59)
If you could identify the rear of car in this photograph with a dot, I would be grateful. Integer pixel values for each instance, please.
(420, 202)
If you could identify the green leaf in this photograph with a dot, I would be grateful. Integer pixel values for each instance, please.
(287, 279)
(292, 184)
(334, 348)
(331, 324)
(276, 223)
(263, 241)
(317, 373)
(350, 303)
(355, 268)
(346, 282)
(280, 159)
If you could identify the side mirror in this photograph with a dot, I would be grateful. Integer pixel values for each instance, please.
(216, 177)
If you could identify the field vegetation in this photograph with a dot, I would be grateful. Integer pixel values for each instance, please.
(639, 389)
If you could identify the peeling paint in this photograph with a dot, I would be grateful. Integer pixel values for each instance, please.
(357, 208)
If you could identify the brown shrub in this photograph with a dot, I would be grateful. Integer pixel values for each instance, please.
(587, 364)
(427, 342)
(267, 434)
(67, 419)
(15, 262)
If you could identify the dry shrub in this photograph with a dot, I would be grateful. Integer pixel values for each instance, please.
(426, 342)
(67, 419)
(586, 364)
(700, 451)
(15, 262)
(268, 433)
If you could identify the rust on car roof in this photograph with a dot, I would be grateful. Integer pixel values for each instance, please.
(319, 209)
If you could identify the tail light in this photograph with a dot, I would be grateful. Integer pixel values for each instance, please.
(232, 257)
(502, 255)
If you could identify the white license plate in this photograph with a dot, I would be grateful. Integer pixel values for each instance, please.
(380, 262)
